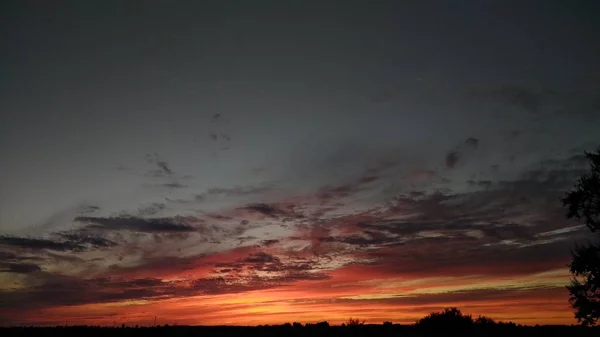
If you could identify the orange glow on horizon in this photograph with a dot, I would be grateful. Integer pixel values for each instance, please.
(334, 300)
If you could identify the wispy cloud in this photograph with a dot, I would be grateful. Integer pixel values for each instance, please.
(131, 223)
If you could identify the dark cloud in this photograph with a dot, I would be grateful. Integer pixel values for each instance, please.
(59, 290)
(472, 142)
(219, 136)
(12, 263)
(228, 285)
(5, 256)
(510, 231)
(83, 239)
(135, 224)
(328, 193)
(237, 191)
(151, 209)
(275, 268)
(522, 97)
(218, 216)
(268, 243)
(327, 239)
(243, 239)
(162, 165)
(461, 255)
(63, 290)
(510, 227)
(260, 257)
(88, 209)
(480, 183)
(366, 238)
(20, 268)
(542, 293)
(270, 210)
(31, 243)
(174, 185)
(361, 183)
(368, 179)
(461, 150)
(451, 159)
(72, 241)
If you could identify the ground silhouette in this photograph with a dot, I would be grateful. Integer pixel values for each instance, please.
(449, 322)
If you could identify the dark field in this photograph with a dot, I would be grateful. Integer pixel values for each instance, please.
(508, 330)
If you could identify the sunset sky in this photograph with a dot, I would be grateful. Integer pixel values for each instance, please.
(262, 162)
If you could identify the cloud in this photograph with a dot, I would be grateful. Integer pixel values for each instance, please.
(273, 269)
(20, 268)
(12, 263)
(451, 159)
(477, 296)
(162, 165)
(31, 243)
(268, 243)
(83, 238)
(135, 224)
(88, 209)
(174, 185)
(260, 257)
(151, 209)
(472, 142)
(521, 97)
(480, 183)
(274, 211)
(228, 278)
(264, 209)
(366, 238)
(494, 228)
(237, 191)
(502, 227)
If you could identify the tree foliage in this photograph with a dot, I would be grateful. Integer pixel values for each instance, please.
(583, 203)
(354, 322)
(484, 320)
(450, 318)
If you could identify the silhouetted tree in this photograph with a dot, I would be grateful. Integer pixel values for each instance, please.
(484, 320)
(583, 203)
(450, 318)
(354, 322)
(323, 324)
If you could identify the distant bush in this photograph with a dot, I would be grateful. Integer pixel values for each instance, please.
(387, 323)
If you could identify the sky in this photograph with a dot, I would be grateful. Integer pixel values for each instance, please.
(262, 162)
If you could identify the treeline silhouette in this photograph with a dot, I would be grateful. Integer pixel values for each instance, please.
(449, 322)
